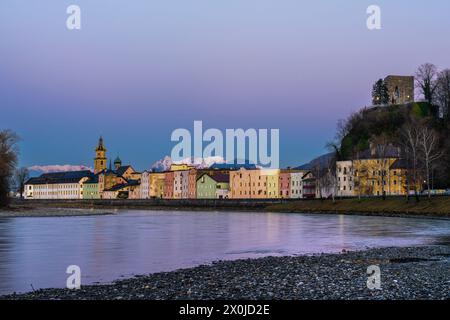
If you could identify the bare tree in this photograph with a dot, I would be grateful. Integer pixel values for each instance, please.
(8, 160)
(411, 144)
(443, 92)
(21, 176)
(426, 81)
(430, 151)
(381, 144)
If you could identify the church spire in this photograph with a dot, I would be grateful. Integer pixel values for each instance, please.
(100, 156)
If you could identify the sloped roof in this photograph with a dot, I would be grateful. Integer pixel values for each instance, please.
(217, 177)
(61, 177)
(400, 164)
(120, 186)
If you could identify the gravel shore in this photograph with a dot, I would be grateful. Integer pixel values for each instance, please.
(50, 212)
(406, 273)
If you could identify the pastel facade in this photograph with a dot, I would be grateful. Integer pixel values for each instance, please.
(177, 184)
(285, 184)
(169, 177)
(157, 184)
(91, 189)
(247, 184)
(145, 185)
(273, 183)
(344, 178)
(213, 186)
(58, 185)
(192, 183)
(206, 187)
(372, 176)
(296, 184)
(308, 185)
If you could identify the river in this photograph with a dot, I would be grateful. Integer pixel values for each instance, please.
(35, 252)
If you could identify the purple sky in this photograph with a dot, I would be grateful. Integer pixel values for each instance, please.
(138, 70)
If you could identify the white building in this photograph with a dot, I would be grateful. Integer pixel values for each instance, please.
(177, 185)
(344, 176)
(184, 184)
(145, 185)
(296, 184)
(57, 185)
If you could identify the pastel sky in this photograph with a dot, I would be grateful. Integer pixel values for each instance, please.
(139, 69)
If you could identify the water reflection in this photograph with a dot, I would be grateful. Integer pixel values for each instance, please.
(37, 251)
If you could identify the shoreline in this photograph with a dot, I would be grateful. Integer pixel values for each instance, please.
(40, 212)
(437, 208)
(421, 272)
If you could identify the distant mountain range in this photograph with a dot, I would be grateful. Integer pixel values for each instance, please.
(202, 163)
(322, 160)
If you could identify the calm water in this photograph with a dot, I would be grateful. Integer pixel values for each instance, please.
(37, 251)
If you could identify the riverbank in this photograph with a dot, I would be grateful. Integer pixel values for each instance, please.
(437, 207)
(33, 211)
(406, 273)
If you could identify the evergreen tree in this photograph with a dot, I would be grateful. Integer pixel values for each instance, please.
(380, 93)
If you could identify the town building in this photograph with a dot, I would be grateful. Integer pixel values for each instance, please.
(345, 181)
(57, 185)
(247, 184)
(145, 185)
(213, 186)
(157, 184)
(285, 184)
(128, 190)
(308, 185)
(192, 183)
(296, 184)
(169, 177)
(90, 188)
(273, 183)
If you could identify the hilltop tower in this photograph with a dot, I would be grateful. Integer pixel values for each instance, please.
(400, 88)
(100, 157)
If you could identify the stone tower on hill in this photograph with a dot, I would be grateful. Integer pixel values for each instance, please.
(400, 88)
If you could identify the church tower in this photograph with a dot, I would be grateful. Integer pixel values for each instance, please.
(100, 157)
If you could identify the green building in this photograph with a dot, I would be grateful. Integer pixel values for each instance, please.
(213, 186)
(91, 189)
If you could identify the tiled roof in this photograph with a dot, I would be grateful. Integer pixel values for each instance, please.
(217, 177)
(61, 177)
(122, 170)
(120, 186)
(399, 164)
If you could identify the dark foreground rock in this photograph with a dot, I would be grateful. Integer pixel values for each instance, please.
(406, 273)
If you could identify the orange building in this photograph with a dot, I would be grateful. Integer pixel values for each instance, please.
(169, 178)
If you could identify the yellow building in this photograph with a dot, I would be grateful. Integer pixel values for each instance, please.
(157, 184)
(375, 177)
(273, 182)
(180, 167)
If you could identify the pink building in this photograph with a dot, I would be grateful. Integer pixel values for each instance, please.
(285, 183)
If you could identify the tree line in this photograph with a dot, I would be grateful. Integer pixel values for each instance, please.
(12, 179)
